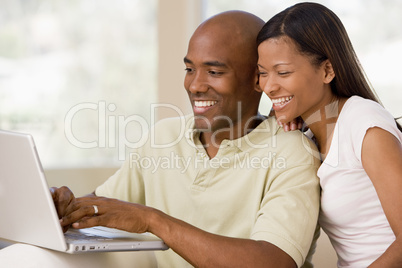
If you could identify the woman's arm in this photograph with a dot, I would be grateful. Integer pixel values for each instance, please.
(382, 160)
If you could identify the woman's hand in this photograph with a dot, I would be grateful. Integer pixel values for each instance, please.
(295, 124)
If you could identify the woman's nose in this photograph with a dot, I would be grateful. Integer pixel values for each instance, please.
(269, 86)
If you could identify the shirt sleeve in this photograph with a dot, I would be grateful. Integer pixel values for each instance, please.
(365, 114)
(289, 210)
(126, 184)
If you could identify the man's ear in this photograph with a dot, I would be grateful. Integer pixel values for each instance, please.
(257, 83)
(329, 72)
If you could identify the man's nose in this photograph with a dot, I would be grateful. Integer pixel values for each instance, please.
(198, 83)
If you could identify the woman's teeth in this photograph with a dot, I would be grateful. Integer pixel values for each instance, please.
(281, 101)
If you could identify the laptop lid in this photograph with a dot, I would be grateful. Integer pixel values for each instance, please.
(27, 210)
(26, 206)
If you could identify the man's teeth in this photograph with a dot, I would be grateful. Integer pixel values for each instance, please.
(204, 103)
(281, 101)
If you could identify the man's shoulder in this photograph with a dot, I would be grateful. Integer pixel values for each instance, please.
(273, 129)
(297, 146)
(272, 135)
(172, 128)
(269, 130)
(174, 124)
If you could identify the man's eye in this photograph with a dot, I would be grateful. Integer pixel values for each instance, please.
(189, 70)
(215, 72)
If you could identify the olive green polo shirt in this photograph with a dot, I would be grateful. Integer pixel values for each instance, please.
(261, 186)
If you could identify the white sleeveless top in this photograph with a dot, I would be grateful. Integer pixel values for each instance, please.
(351, 213)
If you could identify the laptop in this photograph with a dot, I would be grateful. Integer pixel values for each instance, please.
(28, 214)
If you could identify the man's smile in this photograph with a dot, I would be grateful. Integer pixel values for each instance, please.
(201, 106)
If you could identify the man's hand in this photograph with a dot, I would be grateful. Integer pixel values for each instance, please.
(62, 198)
(111, 213)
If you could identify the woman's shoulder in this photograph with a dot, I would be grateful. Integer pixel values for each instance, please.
(357, 109)
(358, 103)
(359, 114)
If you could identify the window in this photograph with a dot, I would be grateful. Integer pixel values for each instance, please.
(373, 27)
(81, 76)
(72, 73)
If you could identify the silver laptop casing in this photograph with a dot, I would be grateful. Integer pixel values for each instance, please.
(27, 211)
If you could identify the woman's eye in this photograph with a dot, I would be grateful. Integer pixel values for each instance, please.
(283, 73)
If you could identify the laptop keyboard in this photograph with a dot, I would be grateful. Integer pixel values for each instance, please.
(77, 235)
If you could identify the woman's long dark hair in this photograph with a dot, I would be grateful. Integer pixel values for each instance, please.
(320, 34)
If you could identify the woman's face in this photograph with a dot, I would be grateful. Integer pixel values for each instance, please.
(295, 86)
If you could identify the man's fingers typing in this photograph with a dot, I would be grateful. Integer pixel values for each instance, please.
(63, 198)
(78, 213)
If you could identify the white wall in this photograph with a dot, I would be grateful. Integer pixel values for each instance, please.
(177, 20)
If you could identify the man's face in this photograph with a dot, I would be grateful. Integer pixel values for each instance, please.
(220, 82)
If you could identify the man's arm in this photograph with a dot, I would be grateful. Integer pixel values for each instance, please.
(216, 251)
(200, 248)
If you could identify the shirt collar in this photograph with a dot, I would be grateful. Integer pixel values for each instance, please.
(257, 138)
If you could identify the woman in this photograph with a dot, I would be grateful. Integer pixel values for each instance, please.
(308, 68)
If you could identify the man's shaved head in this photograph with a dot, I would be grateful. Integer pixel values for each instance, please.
(236, 30)
(221, 65)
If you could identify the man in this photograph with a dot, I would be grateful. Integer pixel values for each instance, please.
(235, 190)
